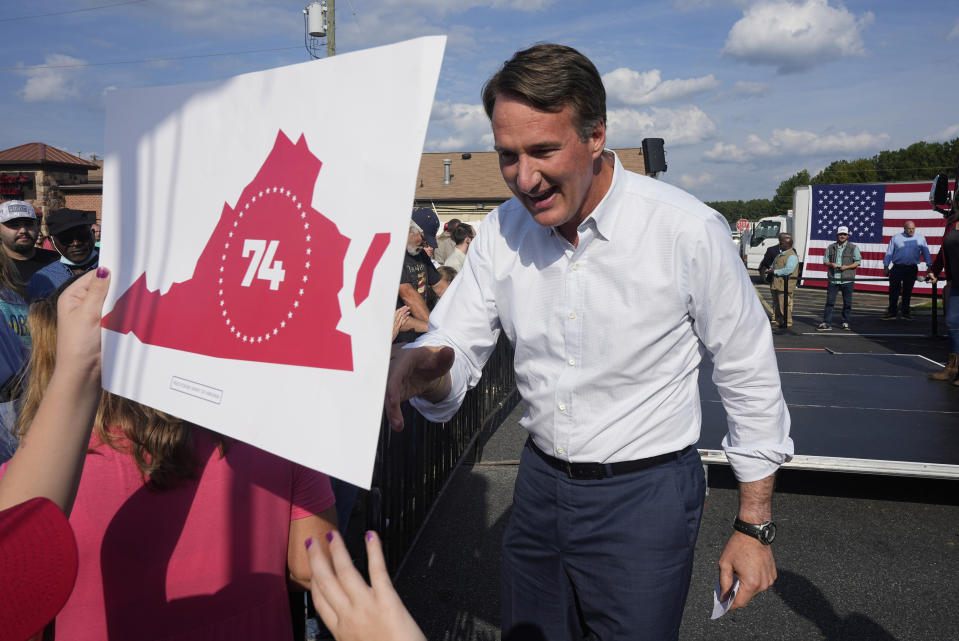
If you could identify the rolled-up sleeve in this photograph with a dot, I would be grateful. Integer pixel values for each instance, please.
(731, 323)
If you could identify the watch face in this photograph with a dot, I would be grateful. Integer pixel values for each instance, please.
(767, 533)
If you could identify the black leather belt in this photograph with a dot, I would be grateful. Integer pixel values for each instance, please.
(583, 471)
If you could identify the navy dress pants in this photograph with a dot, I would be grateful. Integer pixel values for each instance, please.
(607, 559)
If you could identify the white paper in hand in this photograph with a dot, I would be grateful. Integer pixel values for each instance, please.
(721, 607)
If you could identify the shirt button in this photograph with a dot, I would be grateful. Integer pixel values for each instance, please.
(560, 450)
(562, 407)
(572, 315)
(575, 266)
(572, 361)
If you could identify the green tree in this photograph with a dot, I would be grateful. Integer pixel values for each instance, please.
(861, 170)
(733, 210)
(783, 200)
(918, 161)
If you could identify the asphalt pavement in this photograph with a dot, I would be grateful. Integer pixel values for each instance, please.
(860, 557)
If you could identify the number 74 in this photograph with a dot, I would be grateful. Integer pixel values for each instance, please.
(269, 269)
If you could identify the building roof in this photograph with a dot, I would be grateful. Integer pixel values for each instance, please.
(37, 153)
(478, 177)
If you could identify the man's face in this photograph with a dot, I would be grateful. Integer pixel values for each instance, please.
(414, 242)
(909, 228)
(544, 163)
(75, 243)
(842, 238)
(785, 242)
(19, 234)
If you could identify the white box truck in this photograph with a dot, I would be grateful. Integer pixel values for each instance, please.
(764, 233)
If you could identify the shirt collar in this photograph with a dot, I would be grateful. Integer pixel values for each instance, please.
(603, 217)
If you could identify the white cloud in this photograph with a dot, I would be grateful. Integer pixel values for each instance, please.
(227, 17)
(628, 87)
(945, 134)
(744, 89)
(696, 5)
(795, 143)
(458, 126)
(796, 35)
(680, 126)
(688, 181)
(52, 84)
(721, 152)
(399, 18)
(954, 33)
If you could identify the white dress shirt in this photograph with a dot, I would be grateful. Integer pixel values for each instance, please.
(609, 335)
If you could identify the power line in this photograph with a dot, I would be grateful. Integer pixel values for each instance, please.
(882, 169)
(60, 13)
(146, 60)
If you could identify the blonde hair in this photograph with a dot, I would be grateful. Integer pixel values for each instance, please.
(161, 445)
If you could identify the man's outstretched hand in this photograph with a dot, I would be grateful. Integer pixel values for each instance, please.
(421, 371)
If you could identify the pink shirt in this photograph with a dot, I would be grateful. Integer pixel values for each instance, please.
(206, 560)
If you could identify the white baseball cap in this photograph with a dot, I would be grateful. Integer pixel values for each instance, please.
(12, 209)
(842, 229)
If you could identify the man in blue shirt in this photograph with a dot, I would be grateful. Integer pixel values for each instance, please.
(904, 253)
(72, 236)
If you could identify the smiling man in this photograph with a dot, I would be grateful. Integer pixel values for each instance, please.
(18, 236)
(72, 234)
(610, 287)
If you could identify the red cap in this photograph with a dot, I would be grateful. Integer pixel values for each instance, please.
(39, 566)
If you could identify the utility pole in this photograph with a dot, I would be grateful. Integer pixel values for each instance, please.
(331, 34)
(319, 23)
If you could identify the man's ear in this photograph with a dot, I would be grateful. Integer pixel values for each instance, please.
(597, 139)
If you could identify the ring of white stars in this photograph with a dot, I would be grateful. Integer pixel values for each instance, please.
(241, 208)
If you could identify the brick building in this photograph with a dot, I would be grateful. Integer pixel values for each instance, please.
(49, 178)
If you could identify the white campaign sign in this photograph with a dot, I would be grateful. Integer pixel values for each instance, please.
(255, 228)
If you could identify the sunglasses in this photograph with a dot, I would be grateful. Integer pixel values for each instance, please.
(67, 236)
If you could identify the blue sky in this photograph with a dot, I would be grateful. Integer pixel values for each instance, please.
(745, 93)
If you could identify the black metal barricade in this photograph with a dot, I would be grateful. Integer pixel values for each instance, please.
(413, 466)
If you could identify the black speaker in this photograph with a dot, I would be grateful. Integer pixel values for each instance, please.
(939, 194)
(653, 155)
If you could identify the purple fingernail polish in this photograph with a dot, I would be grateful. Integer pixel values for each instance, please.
(329, 537)
(369, 536)
(309, 542)
(102, 272)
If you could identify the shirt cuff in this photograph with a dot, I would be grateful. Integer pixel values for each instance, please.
(756, 464)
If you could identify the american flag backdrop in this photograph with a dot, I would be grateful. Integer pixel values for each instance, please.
(874, 213)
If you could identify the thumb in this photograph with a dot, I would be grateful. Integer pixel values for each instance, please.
(96, 293)
(725, 581)
(438, 362)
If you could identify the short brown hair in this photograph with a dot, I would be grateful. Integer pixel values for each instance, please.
(549, 77)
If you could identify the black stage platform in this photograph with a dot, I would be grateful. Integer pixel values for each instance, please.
(852, 412)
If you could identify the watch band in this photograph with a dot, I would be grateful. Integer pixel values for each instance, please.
(764, 532)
